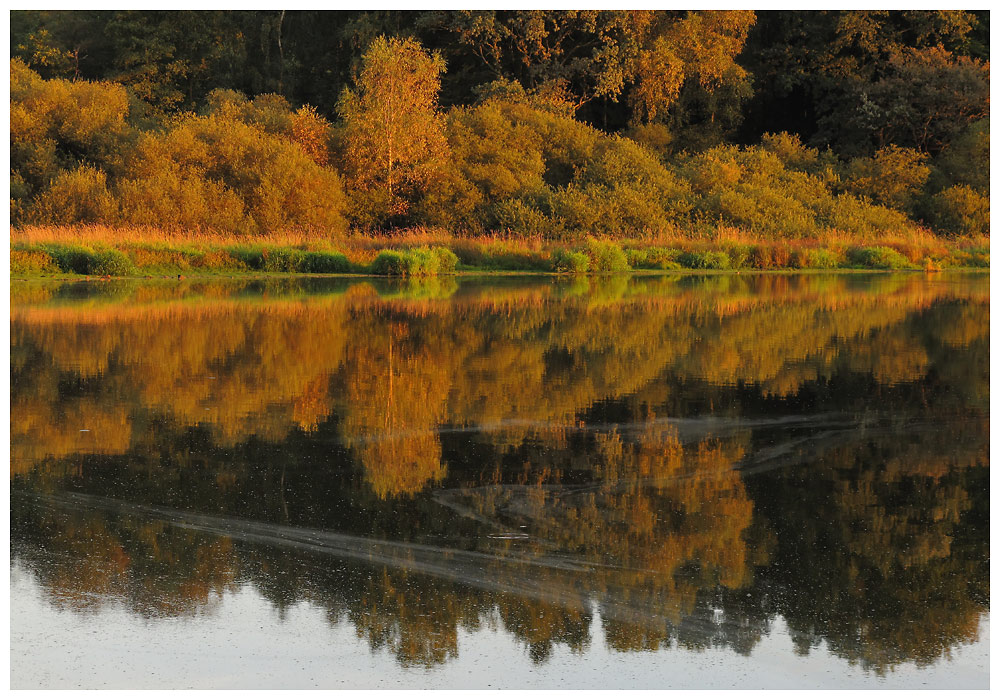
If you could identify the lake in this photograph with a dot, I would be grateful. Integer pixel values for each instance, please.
(665, 481)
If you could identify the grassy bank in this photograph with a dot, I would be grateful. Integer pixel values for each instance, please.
(104, 251)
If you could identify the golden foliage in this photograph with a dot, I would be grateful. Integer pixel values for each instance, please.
(394, 135)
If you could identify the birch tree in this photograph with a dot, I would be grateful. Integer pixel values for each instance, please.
(393, 131)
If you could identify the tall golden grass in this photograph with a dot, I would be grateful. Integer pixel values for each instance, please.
(100, 234)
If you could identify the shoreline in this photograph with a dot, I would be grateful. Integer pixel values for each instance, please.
(78, 253)
(472, 274)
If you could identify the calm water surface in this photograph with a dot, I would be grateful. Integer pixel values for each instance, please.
(636, 482)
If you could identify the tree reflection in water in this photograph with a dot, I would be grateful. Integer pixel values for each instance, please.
(689, 458)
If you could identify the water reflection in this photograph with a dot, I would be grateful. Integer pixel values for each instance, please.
(686, 459)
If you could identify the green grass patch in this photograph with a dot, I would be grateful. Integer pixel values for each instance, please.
(82, 260)
(510, 257)
(653, 258)
(326, 262)
(111, 262)
(282, 260)
(705, 260)
(606, 256)
(819, 259)
(415, 262)
(570, 262)
(878, 258)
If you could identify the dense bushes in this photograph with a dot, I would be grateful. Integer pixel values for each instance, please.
(323, 262)
(524, 167)
(517, 163)
(223, 174)
(962, 211)
(606, 257)
(246, 167)
(31, 262)
(780, 189)
(80, 260)
(78, 196)
(56, 126)
(893, 177)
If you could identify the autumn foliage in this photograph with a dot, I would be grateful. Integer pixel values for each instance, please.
(498, 131)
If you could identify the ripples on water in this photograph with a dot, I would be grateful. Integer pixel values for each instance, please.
(619, 479)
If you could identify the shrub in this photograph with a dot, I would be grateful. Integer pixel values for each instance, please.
(31, 262)
(570, 261)
(422, 262)
(58, 124)
(447, 261)
(819, 258)
(417, 262)
(791, 151)
(709, 260)
(221, 173)
(74, 196)
(218, 260)
(85, 261)
(653, 258)
(76, 259)
(892, 177)
(606, 256)
(528, 169)
(392, 263)
(761, 190)
(976, 257)
(111, 262)
(326, 262)
(522, 218)
(282, 260)
(878, 257)
(960, 210)
(739, 256)
(253, 258)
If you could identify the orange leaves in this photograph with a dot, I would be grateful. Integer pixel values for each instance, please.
(312, 133)
(394, 135)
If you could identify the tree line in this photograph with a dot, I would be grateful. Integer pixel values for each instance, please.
(555, 123)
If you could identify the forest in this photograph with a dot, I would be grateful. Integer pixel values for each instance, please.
(507, 139)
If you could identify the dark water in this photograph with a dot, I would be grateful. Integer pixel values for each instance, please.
(647, 482)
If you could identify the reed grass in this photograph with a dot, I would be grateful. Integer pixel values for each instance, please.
(420, 252)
